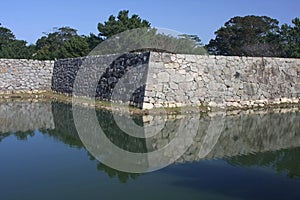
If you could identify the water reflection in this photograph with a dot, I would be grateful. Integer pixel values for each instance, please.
(261, 139)
(284, 161)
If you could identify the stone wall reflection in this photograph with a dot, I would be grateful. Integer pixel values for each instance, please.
(25, 116)
(218, 136)
(243, 134)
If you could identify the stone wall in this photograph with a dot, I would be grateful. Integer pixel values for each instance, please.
(176, 80)
(111, 73)
(25, 75)
(148, 80)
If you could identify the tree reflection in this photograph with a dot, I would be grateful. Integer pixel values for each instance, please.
(24, 135)
(123, 177)
(282, 161)
(19, 135)
(242, 134)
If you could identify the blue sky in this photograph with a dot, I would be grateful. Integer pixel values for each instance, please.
(29, 19)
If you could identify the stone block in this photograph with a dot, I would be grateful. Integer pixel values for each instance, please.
(178, 78)
(173, 85)
(148, 106)
(163, 77)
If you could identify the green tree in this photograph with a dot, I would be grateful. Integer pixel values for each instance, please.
(93, 40)
(64, 42)
(190, 44)
(17, 49)
(121, 23)
(6, 36)
(143, 39)
(291, 38)
(247, 36)
(10, 47)
(77, 46)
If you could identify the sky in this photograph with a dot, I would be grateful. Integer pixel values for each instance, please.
(30, 19)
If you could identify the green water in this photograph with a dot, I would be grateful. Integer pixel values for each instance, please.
(42, 157)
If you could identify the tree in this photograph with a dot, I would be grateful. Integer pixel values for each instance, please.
(17, 49)
(93, 40)
(247, 36)
(64, 42)
(291, 38)
(10, 47)
(6, 36)
(126, 34)
(114, 26)
(190, 44)
(149, 39)
(77, 46)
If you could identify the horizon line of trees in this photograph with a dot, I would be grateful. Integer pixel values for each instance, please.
(240, 36)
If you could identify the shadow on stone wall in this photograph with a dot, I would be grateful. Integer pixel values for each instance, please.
(121, 78)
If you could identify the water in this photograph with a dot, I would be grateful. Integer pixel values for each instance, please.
(250, 156)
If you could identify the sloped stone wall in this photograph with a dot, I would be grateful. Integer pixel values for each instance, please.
(108, 70)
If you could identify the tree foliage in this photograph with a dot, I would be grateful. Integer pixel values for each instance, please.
(77, 46)
(291, 38)
(247, 36)
(10, 47)
(17, 49)
(6, 36)
(93, 40)
(143, 39)
(240, 36)
(121, 23)
(62, 43)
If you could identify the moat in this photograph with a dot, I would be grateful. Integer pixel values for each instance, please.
(233, 156)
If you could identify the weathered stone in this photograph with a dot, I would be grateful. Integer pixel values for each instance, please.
(189, 77)
(181, 71)
(148, 106)
(163, 77)
(159, 88)
(178, 78)
(149, 94)
(172, 65)
(173, 86)
(194, 68)
(166, 58)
